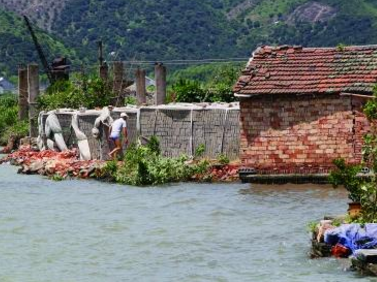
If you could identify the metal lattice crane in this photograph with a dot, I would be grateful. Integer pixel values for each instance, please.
(41, 55)
(59, 68)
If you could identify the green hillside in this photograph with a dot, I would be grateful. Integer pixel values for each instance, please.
(171, 29)
(16, 46)
(146, 29)
(290, 22)
(174, 29)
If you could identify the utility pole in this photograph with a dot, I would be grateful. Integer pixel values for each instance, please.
(118, 70)
(160, 75)
(22, 93)
(140, 87)
(33, 92)
(103, 67)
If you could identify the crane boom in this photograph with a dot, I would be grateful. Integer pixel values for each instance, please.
(41, 55)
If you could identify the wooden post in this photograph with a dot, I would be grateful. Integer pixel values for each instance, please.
(160, 75)
(118, 82)
(140, 87)
(33, 92)
(22, 93)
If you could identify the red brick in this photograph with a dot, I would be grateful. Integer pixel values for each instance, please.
(313, 137)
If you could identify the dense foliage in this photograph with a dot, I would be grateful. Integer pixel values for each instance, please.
(216, 86)
(88, 93)
(143, 165)
(171, 29)
(346, 175)
(9, 123)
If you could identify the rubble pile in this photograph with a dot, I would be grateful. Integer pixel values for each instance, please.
(53, 164)
(224, 173)
(67, 164)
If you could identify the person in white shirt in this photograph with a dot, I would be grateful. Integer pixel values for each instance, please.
(115, 131)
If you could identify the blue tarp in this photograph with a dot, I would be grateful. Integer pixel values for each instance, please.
(353, 236)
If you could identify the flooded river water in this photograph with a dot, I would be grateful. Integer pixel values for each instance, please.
(91, 231)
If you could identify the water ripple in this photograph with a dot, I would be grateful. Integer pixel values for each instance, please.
(91, 231)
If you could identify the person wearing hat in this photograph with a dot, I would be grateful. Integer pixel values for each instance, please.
(115, 131)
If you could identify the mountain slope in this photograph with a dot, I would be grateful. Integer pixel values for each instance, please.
(43, 12)
(154, 30)
(311, 23)
(16, 46)
(175, 29)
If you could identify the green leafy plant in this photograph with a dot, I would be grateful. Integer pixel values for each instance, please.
(368, 201)
(57, 177)
(143, 165)
(312, 226)
(199, 152)
(223, 159)
(188, 91)
(341, 47)
(346, 175)
(154, 145)
(10, 126)
(130, 100)
(90, 93)
(17, 130)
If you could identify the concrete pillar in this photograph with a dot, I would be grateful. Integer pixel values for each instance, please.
(160, 76)
(140, 87)
(33, 92)
(22, 94)
(118, 82)
(104, 72)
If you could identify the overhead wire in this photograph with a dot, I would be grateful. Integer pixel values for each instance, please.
(188, 61)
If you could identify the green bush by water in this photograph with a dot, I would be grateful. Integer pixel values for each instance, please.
(143, 165)
(9, 123)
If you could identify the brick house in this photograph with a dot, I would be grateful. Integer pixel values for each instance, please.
(302, 107)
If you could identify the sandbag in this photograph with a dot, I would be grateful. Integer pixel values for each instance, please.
(53, 128)
(82, 140)
(40, 139)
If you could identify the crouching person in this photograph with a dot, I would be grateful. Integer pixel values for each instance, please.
(118, 127)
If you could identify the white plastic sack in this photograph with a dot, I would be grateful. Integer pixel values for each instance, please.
(82, 140)
(53, 127)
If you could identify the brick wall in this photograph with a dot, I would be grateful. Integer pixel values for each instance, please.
(300, 134)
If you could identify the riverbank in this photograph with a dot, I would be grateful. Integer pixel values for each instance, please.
(66, 165)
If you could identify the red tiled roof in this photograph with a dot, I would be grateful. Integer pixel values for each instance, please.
(297, 70)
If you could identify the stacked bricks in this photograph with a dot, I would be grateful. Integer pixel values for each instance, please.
(300, 134)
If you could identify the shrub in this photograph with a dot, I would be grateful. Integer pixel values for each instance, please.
(91, 93)
(223, 159)
(199, 152)
(9, 123)
(143, 165)
(188, 91)
(346, 175)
